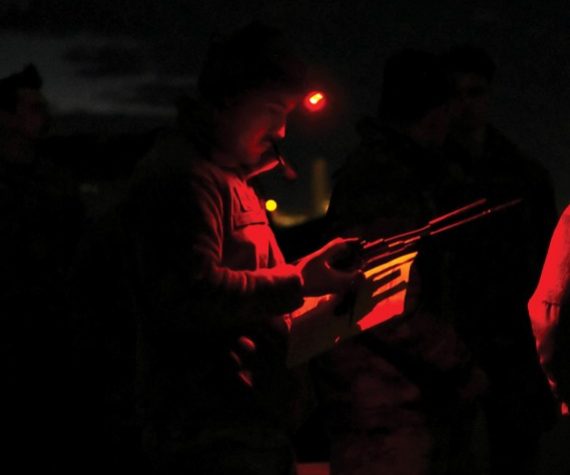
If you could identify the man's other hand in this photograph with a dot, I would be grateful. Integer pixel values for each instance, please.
(321, 276)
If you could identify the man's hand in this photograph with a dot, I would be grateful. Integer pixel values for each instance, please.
(319, 275)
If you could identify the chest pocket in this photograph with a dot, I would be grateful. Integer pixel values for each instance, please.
(247, 210)
(250, 237)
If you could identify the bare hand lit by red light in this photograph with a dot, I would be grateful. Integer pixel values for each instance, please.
(320, 277)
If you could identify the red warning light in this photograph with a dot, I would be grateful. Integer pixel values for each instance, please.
(315, 101)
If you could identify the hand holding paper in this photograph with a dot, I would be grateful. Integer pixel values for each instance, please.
(317, 326)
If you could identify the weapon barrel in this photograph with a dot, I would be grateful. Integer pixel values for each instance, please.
(383, 247)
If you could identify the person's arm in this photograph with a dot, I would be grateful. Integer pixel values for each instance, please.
(181, 245)
(180, 236)
(552, 291)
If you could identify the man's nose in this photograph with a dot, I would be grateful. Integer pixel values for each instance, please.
(281, 131)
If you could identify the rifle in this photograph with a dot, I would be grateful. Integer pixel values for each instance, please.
(385, 248)
(386, 263)
(370, 255)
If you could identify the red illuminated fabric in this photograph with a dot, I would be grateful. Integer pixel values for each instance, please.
(551, 295)
(211, 277)
(219, 244)
(239, 255)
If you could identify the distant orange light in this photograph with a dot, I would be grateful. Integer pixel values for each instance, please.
(271, 205)
(315, 101)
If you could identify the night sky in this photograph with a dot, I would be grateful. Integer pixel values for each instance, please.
(126, 61)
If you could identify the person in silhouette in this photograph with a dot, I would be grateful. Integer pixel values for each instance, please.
(496, 264)
(40, 222)
(391, 392)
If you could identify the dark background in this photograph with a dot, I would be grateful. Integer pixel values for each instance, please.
(118, 65)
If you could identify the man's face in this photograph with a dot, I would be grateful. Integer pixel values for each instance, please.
(249, 125)
(470, 102)
(31, 117)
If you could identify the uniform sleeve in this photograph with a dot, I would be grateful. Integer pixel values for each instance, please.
(178, 221)
(269, 291)
(550, 295)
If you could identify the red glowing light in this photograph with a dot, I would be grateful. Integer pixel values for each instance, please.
(315, 101)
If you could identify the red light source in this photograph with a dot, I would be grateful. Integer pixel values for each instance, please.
(271, 205)
(315, 101)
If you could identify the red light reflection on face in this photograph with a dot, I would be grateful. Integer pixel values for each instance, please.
(247, 128)
(314, 101)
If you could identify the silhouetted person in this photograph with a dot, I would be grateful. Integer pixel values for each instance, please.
(40, 222)
(44, 215)
(497, 264)
(390, 392)
(214, 292)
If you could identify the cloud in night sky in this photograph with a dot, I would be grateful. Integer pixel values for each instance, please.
(109, 60)
(129, 56)
(155, 94)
